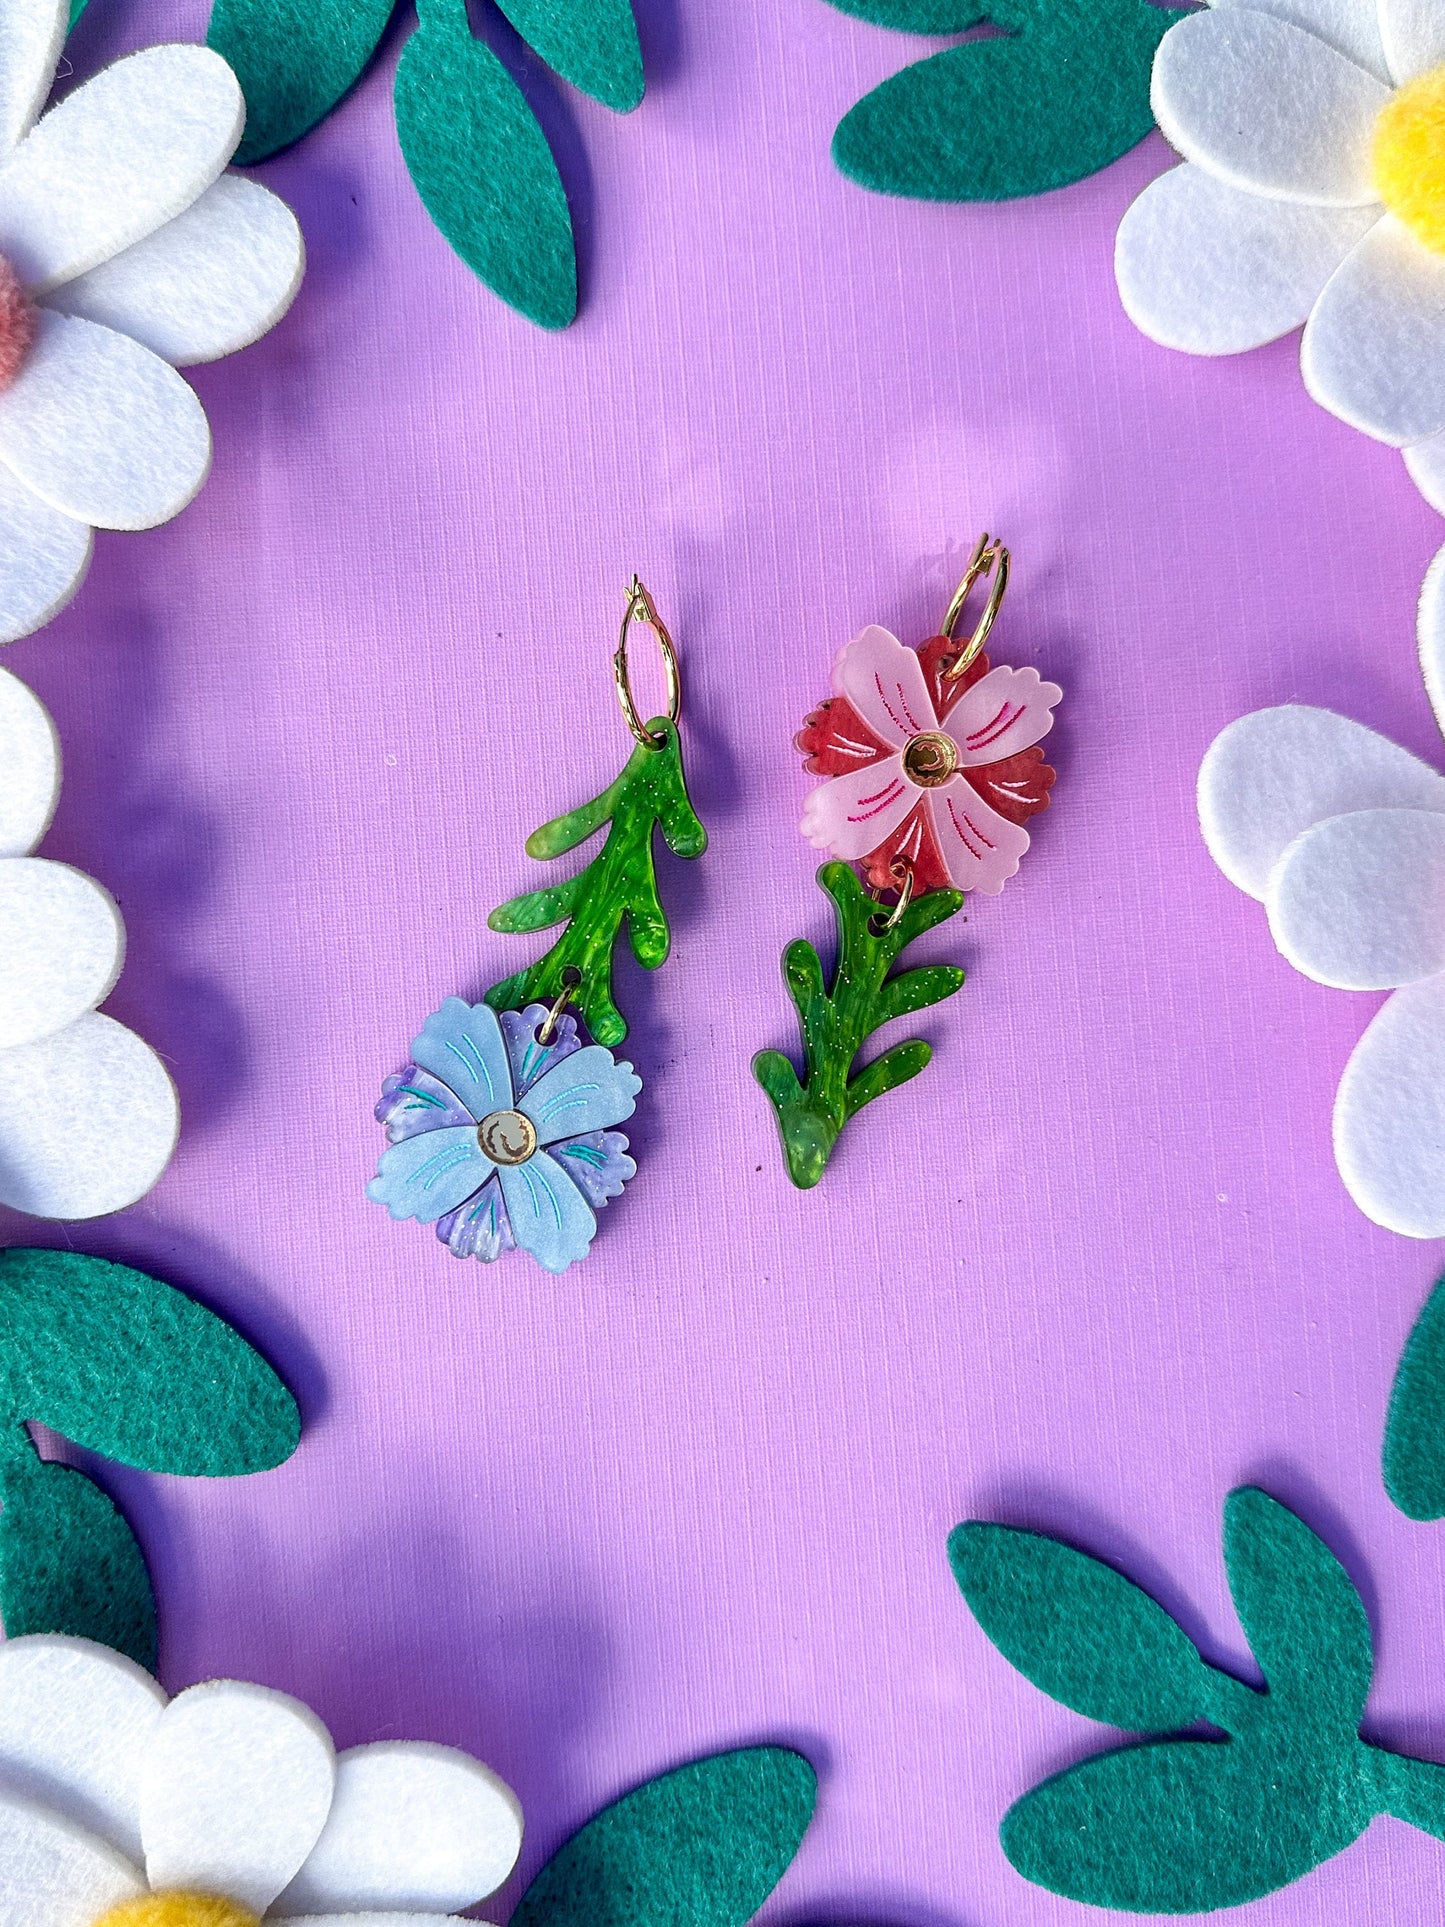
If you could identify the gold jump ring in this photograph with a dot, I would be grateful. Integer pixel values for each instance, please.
(902, 872)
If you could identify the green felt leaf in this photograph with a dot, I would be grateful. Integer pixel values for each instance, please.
(592, 43)
(483, 167)
(1079, 1630)
(77, 8)
(918, 16)
(133, 1369)
(1185, 1826)
(1064, 95)
(619, 885)
(295, 59)
(811, 1110)
(1415, 1428)
(1300, 1612)
(68, 1561)
(702, 1846)
(1190, 1825)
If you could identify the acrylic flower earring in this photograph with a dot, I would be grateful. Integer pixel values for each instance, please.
(933, 770)
(501, 1125)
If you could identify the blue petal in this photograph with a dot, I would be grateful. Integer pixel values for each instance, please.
(479, 1227)
(529, 1058)
(425, 1177)
(462, 1045)
(550, 1217)
(586, 1092)
(416, 1101)
(597, 1164)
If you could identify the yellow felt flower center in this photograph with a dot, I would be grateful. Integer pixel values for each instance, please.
(179, 1910)
(1409, 157)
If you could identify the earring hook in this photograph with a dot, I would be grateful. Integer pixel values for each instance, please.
(641, 608)
(988, 555)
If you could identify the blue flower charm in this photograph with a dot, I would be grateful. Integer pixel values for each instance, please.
(500, 1140)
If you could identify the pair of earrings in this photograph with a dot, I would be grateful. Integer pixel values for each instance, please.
(502, 1127)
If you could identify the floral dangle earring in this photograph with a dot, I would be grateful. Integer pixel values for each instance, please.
(933, 770)
(500, 1127)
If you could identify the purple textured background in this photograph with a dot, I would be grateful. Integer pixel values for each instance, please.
(1089, 1271)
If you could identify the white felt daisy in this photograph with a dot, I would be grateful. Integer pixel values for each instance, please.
(1313, 191)
(224, 1806)
(1341, 835)
(88, 1113)
(125, 252)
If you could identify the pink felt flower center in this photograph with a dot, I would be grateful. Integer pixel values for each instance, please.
(17, 324)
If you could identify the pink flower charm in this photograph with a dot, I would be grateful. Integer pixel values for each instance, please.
(941, 775)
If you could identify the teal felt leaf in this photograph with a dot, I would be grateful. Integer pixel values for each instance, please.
(1184, 1826)
(918, 16)
(133, 1369)
(1414, 1457)
(483, 167)
(68, 1561)
(1079, 1630)
(592, 43)
(77, 8)
(1300, 1612)
(1061, 97)
(702, 1846)
(295, 59)
(1189, 1825)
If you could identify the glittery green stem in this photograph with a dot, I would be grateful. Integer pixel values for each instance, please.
(620, 882)
(836, 1022)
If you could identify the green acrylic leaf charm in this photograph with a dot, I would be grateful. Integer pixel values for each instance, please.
(705, 1844)
(1183, 1824)
(591, 43)
(483, 167)
(69, 1563)
(837, 1021)
(1415, 1428)
(1062, 93)
(295, 59)
(619, 884)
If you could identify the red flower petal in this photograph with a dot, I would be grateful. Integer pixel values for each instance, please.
(1018, 787)
(836, 740)
(915, 843)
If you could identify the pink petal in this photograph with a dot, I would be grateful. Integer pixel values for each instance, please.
(885, 684)
(852, 814)
(1005, 711)
(980, 848)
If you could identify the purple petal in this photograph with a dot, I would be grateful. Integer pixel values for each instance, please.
(531, 1060)
(479, 1227)
(597, 1164)
(416, 1101)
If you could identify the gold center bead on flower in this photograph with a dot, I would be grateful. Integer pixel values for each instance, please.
(930, 759)
(177, 1909)
(507, 1137)
(1409, 158)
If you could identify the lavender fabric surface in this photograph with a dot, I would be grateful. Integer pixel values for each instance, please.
(1091, 1269)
